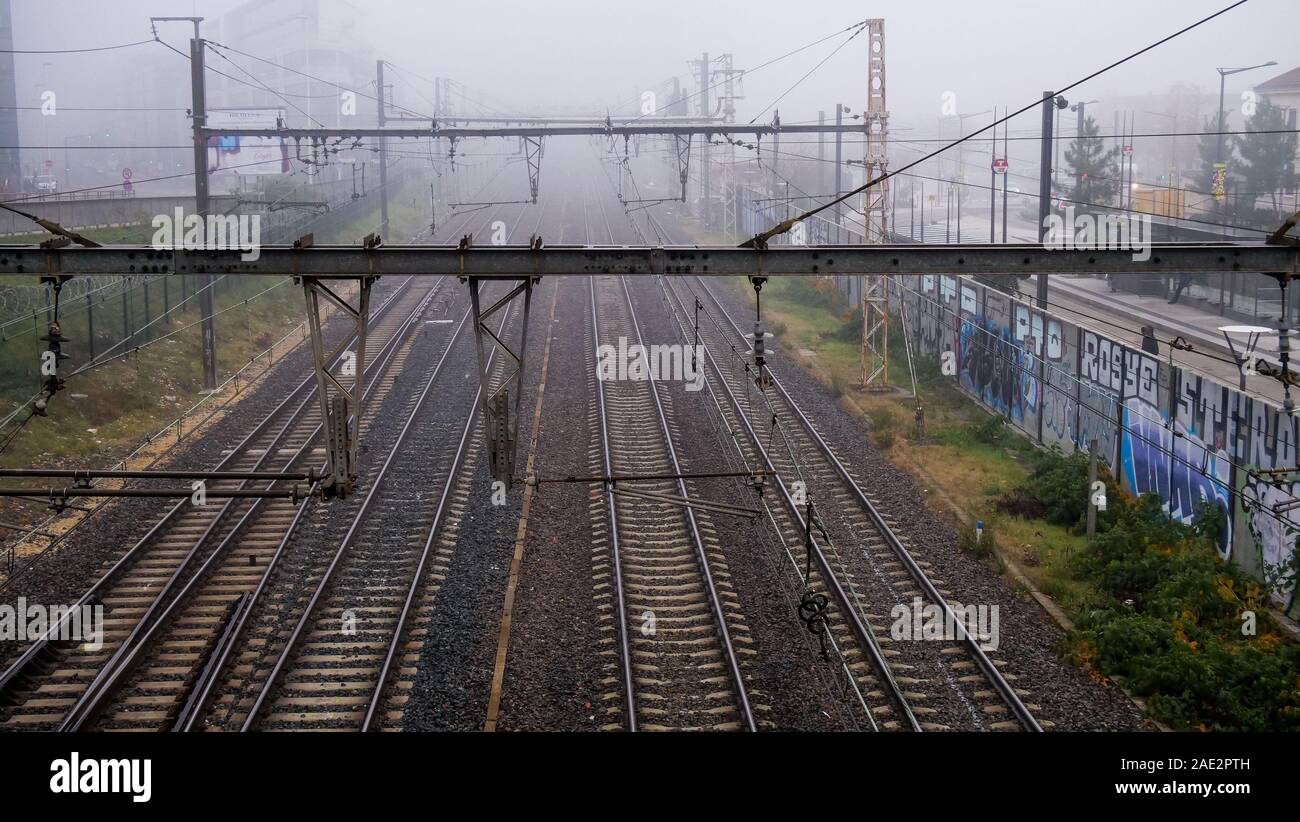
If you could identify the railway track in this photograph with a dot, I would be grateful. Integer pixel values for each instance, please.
(371, 597)
(868, 567)
(56, 684)
(679, 622)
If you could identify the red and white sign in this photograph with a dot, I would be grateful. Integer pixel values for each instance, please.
(49, 164)
(126, 173)
(1128, 149)
(1000, 165)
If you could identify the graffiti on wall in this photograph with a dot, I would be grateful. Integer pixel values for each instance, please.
(1273, 534)
(1061, 387)
(1101, 378)
(1169, 432)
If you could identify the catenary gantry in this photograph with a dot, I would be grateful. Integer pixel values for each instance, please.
(321, 268)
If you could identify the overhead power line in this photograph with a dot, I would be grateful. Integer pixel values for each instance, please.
(784, 226)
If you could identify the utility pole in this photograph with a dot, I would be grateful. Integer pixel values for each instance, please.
(383, 152)
(821, 153)
(1078, 172)
(705, 181)
(1092, 479)
(839, 163)
(194, 20)
(1050, 104)
(993, 181)
(776, 156)
(199, 109)
(1006, 155)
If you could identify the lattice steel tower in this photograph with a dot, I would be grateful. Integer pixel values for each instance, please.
(875, 287)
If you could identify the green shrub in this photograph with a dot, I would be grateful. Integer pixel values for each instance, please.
(1166, 615)
(1056, 489)
(968, 544)
(992, 431)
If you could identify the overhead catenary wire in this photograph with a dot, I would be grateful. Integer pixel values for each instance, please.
(986, 187)
(762, 65)
(861, 28)
(782, 227)
(78, 51)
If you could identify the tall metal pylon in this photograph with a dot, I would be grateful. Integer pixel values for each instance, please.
(730, 94)
(875, 287)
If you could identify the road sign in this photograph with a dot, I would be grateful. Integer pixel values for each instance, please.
(1000, 165)
(127, 186)
(49, 164)
(1128, 149)
(126, 173)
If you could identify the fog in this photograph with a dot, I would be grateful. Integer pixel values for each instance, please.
(576, 56)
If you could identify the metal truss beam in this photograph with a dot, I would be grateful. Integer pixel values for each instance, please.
(340, 403)
(533, 155)
(321, 262)
(644, 127)
(500, 425)
(683, 161)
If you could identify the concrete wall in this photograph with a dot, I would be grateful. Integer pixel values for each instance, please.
(1162, 429)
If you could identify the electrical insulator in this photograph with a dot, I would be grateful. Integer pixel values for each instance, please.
(760, 356)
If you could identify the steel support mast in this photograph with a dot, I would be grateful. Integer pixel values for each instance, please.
(875, 287)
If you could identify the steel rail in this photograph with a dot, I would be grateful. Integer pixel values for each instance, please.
(701, 557)
(439, 515)
(371, 494)
(127, 559)
(620, 600)
(826, 634)
(1004, 688)
(132, 649)
(866, 638)
(201, 690)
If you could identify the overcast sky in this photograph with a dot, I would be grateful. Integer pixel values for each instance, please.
(538, 53)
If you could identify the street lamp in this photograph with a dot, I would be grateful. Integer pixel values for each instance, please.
(1223, 75)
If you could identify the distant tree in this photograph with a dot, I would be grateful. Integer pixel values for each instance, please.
(1267, 160)
(1092, 165)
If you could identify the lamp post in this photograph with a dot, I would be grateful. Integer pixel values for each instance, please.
(1223, 115)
